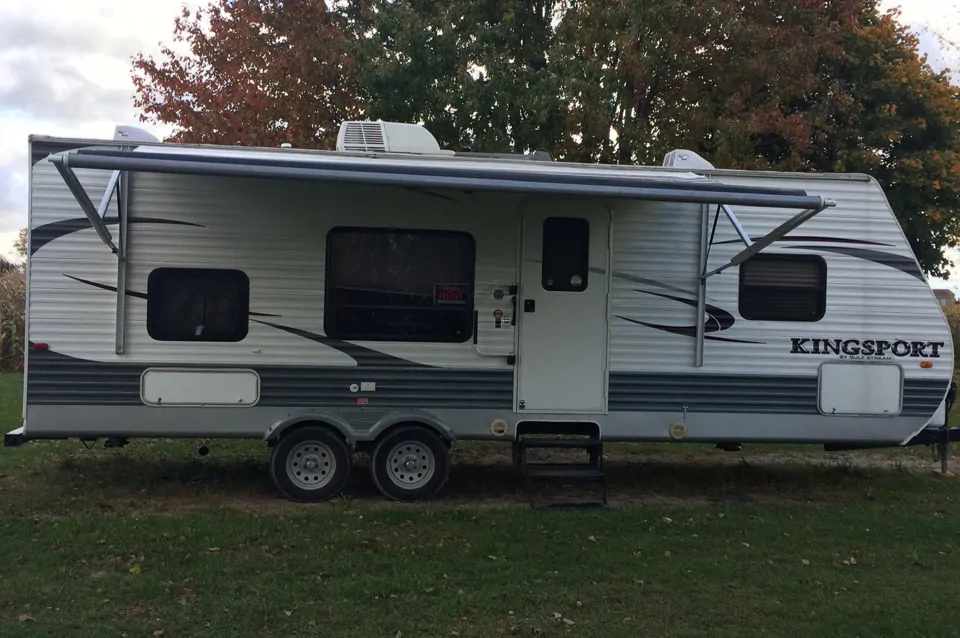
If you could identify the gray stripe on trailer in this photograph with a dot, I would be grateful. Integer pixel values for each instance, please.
(56, 379)
(633, 392)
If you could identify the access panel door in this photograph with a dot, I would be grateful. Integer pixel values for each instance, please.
(562, 307)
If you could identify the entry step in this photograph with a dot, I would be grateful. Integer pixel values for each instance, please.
(573, 444)
(568, 471)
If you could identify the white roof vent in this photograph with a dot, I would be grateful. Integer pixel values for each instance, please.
(681, 158)
(386, 137)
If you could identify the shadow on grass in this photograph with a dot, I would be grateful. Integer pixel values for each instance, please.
(131, 482)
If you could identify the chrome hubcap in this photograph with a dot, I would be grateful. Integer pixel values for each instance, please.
(311, 465)
(410, 465)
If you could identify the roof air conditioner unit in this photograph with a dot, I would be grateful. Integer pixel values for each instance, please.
(386, 137)
(681, 158)
(132, 134)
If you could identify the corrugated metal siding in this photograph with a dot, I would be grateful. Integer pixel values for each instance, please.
(865, 299)
(273, 231)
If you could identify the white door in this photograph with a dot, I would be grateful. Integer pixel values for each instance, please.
(562, 307)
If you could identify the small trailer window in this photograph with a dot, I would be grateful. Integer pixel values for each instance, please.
(197, 304)
(783, 288)
(566, 254)
(399, 285)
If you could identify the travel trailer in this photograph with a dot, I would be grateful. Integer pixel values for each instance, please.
(391, 297)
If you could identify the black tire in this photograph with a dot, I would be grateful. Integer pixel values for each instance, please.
(401, 460)
(319, 464)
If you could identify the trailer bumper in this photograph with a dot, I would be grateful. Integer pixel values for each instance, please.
(15, 438)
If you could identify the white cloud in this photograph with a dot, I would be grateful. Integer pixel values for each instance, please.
(65, 70)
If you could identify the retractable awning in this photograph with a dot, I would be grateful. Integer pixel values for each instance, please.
(422, 172)
(553, 179)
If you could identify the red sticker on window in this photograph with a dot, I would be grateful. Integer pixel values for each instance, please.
(450, 294)
(362, 400)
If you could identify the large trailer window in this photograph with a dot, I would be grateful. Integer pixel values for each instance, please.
(197, 304)
(783, 288)
(399, 285)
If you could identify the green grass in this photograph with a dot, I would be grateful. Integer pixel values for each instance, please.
(153, 538)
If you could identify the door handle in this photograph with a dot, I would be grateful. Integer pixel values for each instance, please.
(529, 305)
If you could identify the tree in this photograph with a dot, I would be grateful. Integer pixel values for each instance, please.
(829, 85)
(258, 72)
(902, 126)
(20, 245)
(475, 72)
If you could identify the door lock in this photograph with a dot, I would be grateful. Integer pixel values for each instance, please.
(529, 305)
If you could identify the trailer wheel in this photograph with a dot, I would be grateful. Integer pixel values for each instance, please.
(310, 464)
(410, 463)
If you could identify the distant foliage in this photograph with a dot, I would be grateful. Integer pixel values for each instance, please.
(809, 85)
(13, 297)
(13, 300)
(953, 318)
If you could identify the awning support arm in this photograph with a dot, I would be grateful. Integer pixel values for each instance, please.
(123, 198)
(752, 248)
(744, 237)
(80, 194)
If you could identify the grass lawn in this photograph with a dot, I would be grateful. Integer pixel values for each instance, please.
(153, 540)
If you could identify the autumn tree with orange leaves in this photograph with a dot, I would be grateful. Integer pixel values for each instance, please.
(258, 72)
(807, 85)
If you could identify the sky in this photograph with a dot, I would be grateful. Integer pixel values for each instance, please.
(65, 70)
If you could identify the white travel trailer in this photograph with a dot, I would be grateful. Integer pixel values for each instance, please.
(392, 297)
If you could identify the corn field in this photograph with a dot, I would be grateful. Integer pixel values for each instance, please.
(13, 297)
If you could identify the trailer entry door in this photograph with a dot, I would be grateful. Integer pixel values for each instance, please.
(563, 307)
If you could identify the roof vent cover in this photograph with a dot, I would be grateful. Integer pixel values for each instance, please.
(385, 137)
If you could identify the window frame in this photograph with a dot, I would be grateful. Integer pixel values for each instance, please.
(243, 310)
(470, 310)
(822, 281)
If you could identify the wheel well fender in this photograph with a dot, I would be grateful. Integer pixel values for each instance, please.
(401, 419)
(331, 422)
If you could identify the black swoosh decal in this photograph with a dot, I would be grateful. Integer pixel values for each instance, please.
(639, 280)
(143, 295)
(43, 235)
(718, 320)
(835, 240)
(686, 331)
(721, 317)
(363, 356)
(907, 265)
(129, 293)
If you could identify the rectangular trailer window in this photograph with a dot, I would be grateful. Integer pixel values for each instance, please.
(399, 285)
(783, 288)
(198, 304)
(566, 254)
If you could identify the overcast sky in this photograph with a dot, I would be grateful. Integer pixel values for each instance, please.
(65, 70)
